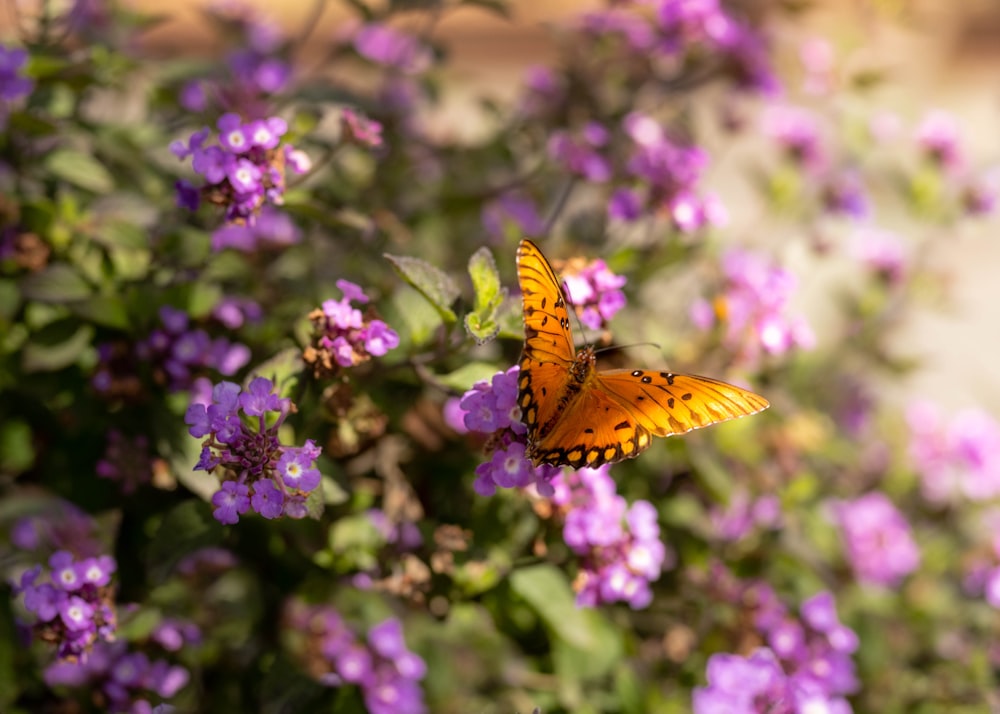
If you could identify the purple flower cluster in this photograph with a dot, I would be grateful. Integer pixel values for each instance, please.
(805, 667)
(583, 153)
(359, 129)
(387, 673)
(798, 132)
(343, 336)
(72, 602)
(594, 291)
(957, 460)
(666, 174)
(703, 27)
(13, 85)
(881, 251)
(126, 680)
(742, 514)
(126, 460)
(937, 135)
(256, 470)
(618, 545)
(752, 308)
(491, 408)
(756, 684)
(877, 539)
(512, 209)
(177, 354)
(64, 527)
(242, 171)
(387, 46)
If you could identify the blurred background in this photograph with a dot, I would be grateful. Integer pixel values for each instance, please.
(944, 55)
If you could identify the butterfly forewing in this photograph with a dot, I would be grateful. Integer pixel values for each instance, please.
(578, 417)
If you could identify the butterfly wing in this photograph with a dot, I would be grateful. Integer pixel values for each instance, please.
(595, 429)
(548, 350)
(665, 403)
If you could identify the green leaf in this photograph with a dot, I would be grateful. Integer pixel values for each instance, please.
(16, 450)
(185, 528)
(482, 322)
(468, 374)
(58, 283)
(432, 282)
(105, 310)
(10, 299)
(56, 346)
(546, 590)
(80, 169)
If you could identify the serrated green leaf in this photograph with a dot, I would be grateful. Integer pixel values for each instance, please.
(56, 346)
(432, 282)
(80, 169)
(106, 310)
(485, 280)
(58, 283)
(483, 329)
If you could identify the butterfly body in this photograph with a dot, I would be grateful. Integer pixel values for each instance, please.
(577, 415)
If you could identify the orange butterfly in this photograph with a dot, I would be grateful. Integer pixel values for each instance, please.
(579, 416)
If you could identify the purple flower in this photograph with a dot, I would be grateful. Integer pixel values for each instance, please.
(515, 210)
(97, 571)
(797, 131)
(881, 251)
(12, 85)
(343, 336)
(76, 613)
(877, 539)
(126, 460)
(386, 46)
(359, 129)
(258, 398)
(267, 500)
(231, 501)
(595, 293)
(379, 338)
(297, 471)
(581, 153)
(938, 136)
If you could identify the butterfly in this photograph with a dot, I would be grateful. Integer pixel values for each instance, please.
(579, 416)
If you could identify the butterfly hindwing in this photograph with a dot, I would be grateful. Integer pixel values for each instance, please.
(667, 403)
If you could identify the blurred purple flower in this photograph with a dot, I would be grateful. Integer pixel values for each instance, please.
(845, 194)
(594, 292)
(13, 85)
(938, 136)
(956, 460)
(877, 539)
(389, 47)
(126, 460)
(580, 152)
(359, 129)
(881, 251)
(797, 131)
(513, 210)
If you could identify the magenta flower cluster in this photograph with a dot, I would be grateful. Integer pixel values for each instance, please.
(386, 671)
(491, 408)
(663, 176)
(257, 471)
(72, 602)
(877, 539)
(129, 680)
(595, 292)
(805, 667)
(752, 308)
(13, 84)
(957, 459)
(177, 353)
(618, 545)
(743, 514)
(242, 171)
(346, 337)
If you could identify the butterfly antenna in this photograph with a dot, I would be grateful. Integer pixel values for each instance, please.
(610, 348)
(571, 309)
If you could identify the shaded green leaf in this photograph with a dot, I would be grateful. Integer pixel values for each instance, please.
(106, 310)
(58, 283)
(80, 169)
(56, 346)
(185, 528)
(432, 282)
(16, 450)
(546, 589)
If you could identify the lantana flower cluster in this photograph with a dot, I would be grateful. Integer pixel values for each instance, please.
(122, 680)
(72, 602)
(805, 667)
(13, 84)
(177, 353)
(491, 408)
(957, 459)
(751, 310)
(257, 471)
(664, 176)
(594, 292)
(242, 171)
(344, 336)
(386, 671)
(743, 514)
(877, 539)
(618, 544)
